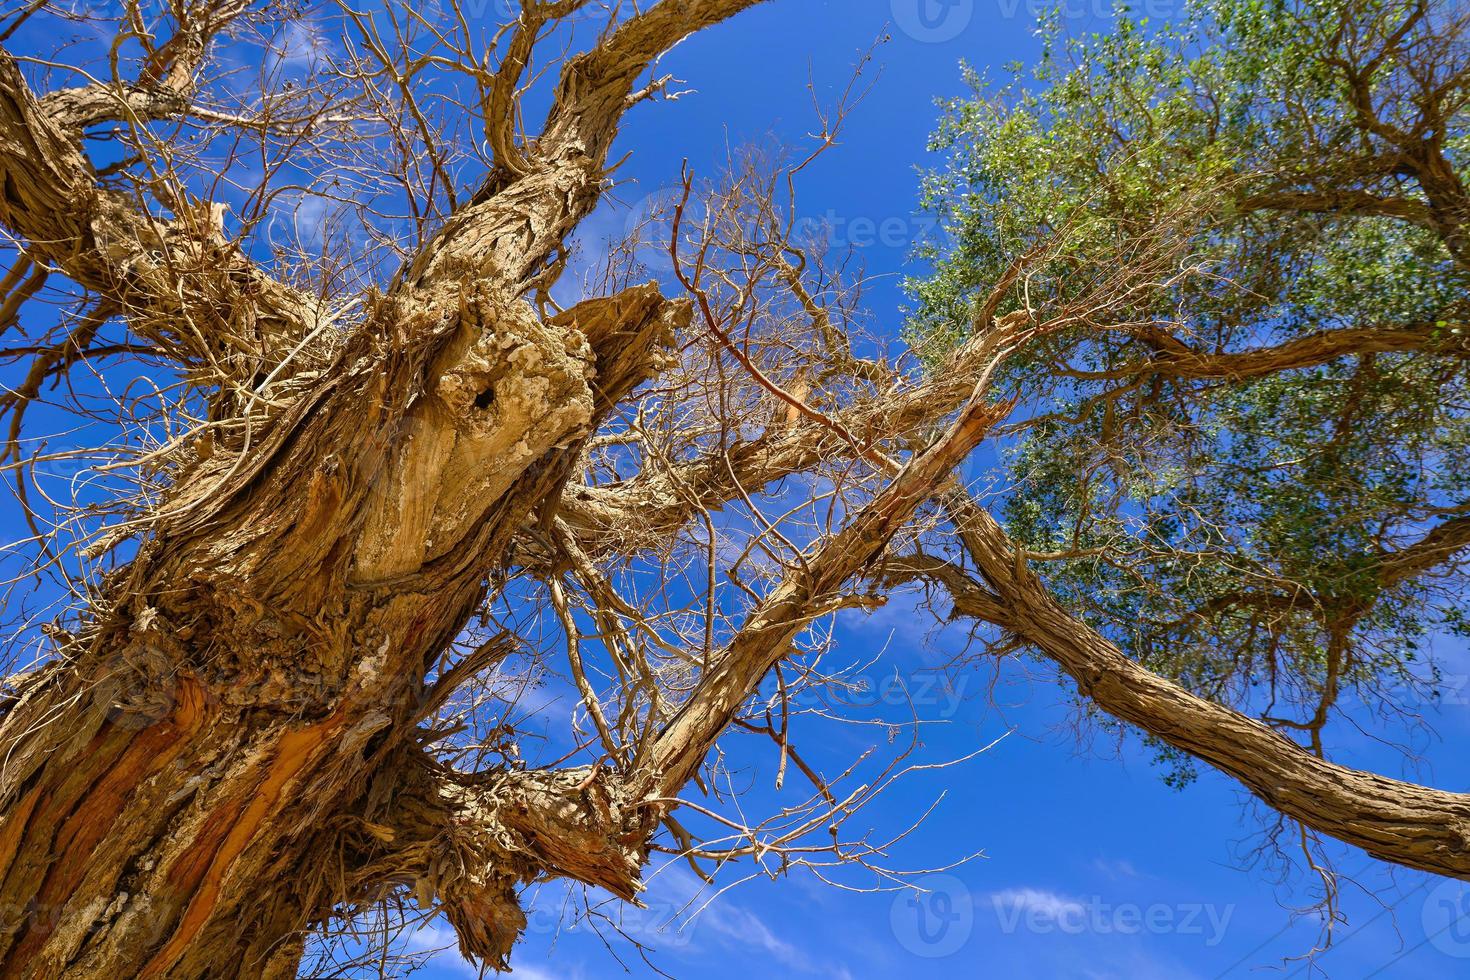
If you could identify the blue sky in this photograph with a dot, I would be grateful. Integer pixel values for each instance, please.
(1091, 867)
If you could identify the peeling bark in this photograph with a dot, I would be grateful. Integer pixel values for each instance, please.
(206, 772)
(229, 753)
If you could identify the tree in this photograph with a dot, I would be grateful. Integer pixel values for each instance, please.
(368, 469)
(1254, 483)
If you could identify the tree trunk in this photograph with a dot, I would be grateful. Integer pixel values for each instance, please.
(201, 840)
(229, 751)
(181, 844)
(212, 768)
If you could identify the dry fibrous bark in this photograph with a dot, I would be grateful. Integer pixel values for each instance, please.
(182, 781)
(233, 744)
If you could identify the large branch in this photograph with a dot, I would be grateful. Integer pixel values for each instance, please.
(807, 591)
(644, 510)
(596, 88)
(1339, 201)
(472, 844)
(1404, 823)
(519, 221)
(177, 281)
(165, 84)
(1437, 546)
(1174, 358)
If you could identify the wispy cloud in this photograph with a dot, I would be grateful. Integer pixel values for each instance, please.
(1038, 901)
(446, 959)
(737, 926)
(1116, 868)
(1133, 965)
(448, 963)
(300, 47)
(525, 972)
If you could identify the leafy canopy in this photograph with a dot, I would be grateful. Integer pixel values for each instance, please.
(1248, 478)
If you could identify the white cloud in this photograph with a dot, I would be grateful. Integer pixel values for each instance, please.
(524, 972)
(1036, 900)
(747, 928)
(437, 936)
(1116, 868)
(301, 46)
(449, 963)
(1133, 965)
(734, 925)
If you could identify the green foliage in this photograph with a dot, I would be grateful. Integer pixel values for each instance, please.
(1235, 532)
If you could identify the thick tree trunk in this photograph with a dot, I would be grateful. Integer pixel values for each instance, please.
(201, 840)
(211, 767)
(228, 753)
(230, 748)
(177, 844)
